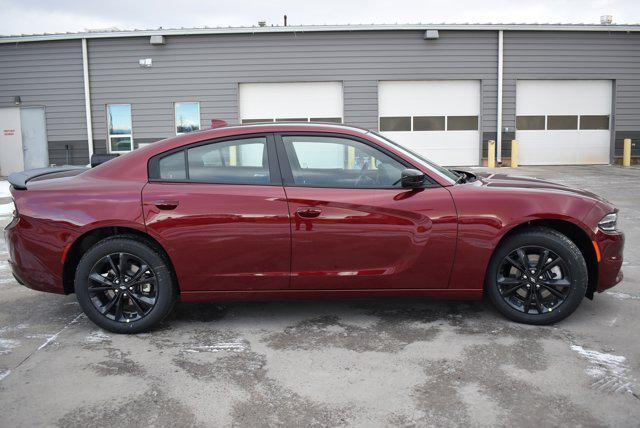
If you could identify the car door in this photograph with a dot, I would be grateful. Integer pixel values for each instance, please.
(220, 210)
(353, 226)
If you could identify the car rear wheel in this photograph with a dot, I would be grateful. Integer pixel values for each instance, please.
(537, 276)
(124, 286)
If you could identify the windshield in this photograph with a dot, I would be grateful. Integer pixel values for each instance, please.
(447, 173)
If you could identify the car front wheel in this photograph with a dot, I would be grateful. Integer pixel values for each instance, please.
(537, 276)
(124, 286)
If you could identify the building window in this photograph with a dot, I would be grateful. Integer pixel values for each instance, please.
(462, 123)
(428, 123)
(396, 123)
(187, 117)
(326, 119)
(594, 122)
(249, 121)
(562, 122)
(119, 126)
(530, 123)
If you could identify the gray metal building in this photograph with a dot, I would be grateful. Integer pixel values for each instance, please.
(569, 93)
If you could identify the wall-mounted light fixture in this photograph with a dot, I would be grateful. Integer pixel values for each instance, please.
(17, 100)
(145, 62)
(157, 40)
(431, 35)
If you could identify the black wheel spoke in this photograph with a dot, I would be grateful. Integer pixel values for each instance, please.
(522, 258)
(516, 264)
(113, 266)
(527, 302)
(122, 265)
(553, 291)
(119, 307)
(149, 301)
(562, 282)
(107, 307)
(99, 289)
(139, 309)
(151, 280)
(101, 279)
(511, 284)
(542, 260)
(139, 273)
(547, 267)
(537, 300)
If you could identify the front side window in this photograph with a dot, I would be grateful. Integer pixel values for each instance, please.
(324, 161)
(187, 117)
(119, 128)
(242, 161)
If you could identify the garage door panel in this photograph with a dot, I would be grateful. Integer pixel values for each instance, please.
(547, 106)
(291, 100)
(446, 148)
(422, 108)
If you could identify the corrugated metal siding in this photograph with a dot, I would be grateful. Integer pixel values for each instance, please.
(576, 55)
(209, 68)
(47, 74)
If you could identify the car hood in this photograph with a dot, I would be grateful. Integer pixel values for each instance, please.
(526, 183)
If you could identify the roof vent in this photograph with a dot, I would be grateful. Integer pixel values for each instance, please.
(262, 23)
(606, 19)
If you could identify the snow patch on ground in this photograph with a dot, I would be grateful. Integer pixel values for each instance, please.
(6, 345)
(97, 336)
(4, 374)
(610, 373)
(622, 296)
(237, 345)
(4, 189)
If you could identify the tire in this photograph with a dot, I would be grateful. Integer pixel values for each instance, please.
(562, 269)
(151, 283)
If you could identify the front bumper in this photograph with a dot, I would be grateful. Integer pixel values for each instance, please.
(611, 246)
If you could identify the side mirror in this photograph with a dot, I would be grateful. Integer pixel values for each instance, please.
(412, 178)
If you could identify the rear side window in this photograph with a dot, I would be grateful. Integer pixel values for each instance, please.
(241, 161)
(172, 167)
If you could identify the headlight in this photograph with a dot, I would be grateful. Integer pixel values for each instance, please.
(609, 222)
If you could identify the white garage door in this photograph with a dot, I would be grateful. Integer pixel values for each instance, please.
(438, 119)
(291, 102)
(563, 122)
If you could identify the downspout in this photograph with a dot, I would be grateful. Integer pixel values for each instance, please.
(87, 97)
(499, 121)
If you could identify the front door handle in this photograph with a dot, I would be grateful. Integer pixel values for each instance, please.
(308, 212)
(166, 205)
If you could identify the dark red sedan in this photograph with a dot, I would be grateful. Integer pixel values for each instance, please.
(303, 211)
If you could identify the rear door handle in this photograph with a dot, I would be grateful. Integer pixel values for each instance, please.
(166, 205)
(308, 212)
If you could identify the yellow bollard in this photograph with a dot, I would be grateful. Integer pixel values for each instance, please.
(626, 154)
(514, 153)
(491, 159)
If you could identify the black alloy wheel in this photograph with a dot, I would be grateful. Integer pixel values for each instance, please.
(533, 280)
(122, 287)
(537, 276)
(124, 284)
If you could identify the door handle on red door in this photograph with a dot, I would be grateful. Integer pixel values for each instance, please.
(308, 212)
(166, 205)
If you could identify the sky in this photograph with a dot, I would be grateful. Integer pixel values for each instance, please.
(40, 16)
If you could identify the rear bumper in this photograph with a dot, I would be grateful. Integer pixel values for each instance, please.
(35, 263)
(611, 246)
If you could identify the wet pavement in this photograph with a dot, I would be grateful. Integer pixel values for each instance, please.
(390, 362)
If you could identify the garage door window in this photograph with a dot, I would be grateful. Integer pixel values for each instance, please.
(339, 163)
(119, 128)
(428, 123)
(462, 123)
(187, 116)
(530, 123)
(562, 122)
(397, 123)
(594, 122)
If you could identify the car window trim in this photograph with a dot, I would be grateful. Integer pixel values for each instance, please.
(275, 176)
(287, 172)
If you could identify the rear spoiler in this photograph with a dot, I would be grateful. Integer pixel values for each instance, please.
(19, 180)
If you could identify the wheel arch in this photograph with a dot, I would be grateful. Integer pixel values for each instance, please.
(572, 231)
(93, 236)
